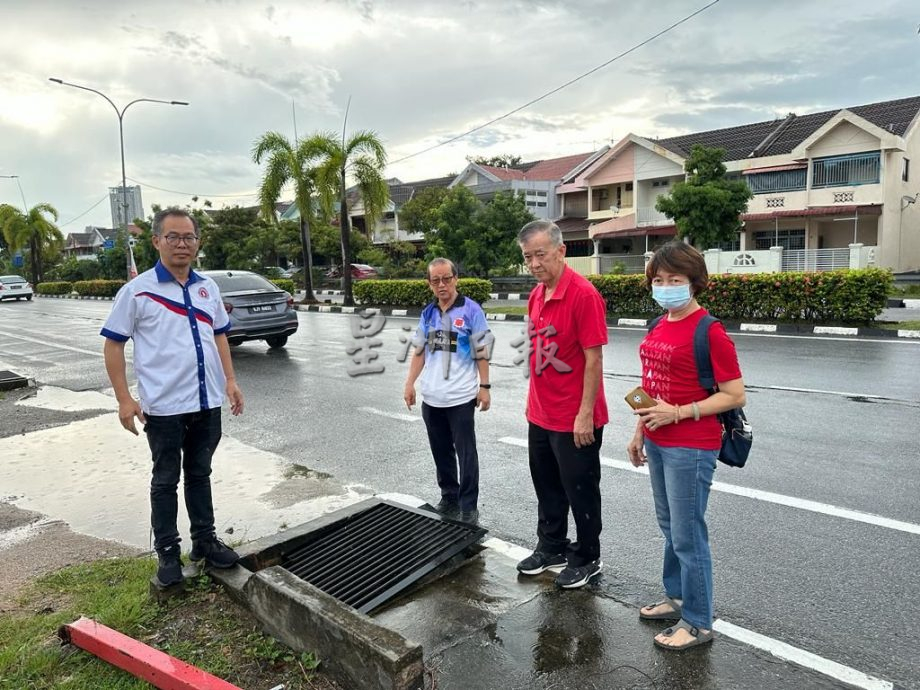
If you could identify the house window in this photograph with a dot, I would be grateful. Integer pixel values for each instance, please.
(660, 183)
(733, 246)
(779, 181)
(841, 171)
(905, 172)
(787, 239)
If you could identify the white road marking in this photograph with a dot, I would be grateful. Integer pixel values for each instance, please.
(632, 322)
(908, 334)
(775, 647)
(392, 415)
(95, 353)
(836, 330)
(801, 657)
(765, 496)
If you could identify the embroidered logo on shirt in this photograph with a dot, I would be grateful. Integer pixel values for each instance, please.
(458, 322)
(202, 293)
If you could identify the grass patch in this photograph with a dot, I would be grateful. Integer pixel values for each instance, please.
(521, 311)
(898, 326)
(205, 628)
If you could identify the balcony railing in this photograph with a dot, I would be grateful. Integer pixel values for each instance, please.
(649, 215)
(841, 171)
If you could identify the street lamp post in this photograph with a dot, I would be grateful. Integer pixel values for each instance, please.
(121, 140)
(25, 206)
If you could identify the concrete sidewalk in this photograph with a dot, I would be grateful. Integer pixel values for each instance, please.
(486, 627)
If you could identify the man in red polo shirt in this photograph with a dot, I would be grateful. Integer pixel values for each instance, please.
(566, 408)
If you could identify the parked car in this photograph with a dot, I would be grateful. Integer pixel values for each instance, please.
(358, 272)
(15, 287)
(258, 309)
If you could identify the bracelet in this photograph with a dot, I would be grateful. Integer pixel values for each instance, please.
(677, 415)
(696, 412)
(487, 386)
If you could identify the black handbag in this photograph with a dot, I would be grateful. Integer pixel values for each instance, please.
(737, 433)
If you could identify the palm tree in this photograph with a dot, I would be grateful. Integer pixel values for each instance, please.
(363, 158)
(289, 163)
(32, 229)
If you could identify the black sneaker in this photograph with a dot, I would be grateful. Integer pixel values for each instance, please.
(169, 565)
(538, 561)
(214, 552)
(570, 578)
(470, 516)
(449, 509)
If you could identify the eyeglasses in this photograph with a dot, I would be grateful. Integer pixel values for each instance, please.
(441, 280)
(175, 240)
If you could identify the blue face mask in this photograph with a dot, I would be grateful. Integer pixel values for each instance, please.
(672, 296)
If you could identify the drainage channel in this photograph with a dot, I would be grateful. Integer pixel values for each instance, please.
(367, 558)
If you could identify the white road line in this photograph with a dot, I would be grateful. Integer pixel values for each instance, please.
(766, 496)
(778, 649)
(96, 353)
(801, 657)
(392, 415)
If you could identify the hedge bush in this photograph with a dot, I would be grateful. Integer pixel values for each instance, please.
(285, 284)
(856, 296)
(414, 293)
(98, 288)
(59, 288)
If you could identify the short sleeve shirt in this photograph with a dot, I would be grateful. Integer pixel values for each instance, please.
(571, 321)
(451, 339)
(173, 327)
(669, 373)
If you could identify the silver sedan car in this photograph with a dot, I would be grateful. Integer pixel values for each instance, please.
(15, 287)
(258, 309)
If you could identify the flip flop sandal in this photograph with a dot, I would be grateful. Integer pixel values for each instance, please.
(699, 637)
(672, 615)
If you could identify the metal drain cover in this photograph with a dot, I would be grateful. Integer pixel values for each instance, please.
(367, 558)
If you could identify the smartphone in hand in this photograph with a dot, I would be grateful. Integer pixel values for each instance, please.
(637, 399)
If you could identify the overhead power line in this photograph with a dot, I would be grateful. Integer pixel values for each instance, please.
(560, 87)
(199, 194)
(85, 212)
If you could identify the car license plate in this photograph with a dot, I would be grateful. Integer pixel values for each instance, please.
(15, 287)
(262, 307)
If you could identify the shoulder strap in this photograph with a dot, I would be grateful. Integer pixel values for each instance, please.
(654, 322)
(701, 352)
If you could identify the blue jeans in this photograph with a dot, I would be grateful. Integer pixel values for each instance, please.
(681, 479)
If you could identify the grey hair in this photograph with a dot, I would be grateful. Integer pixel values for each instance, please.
(441, 261)
(535, 226)
(157, 227)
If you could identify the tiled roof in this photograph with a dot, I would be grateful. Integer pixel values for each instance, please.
(740, 142)
(80, 239)
(569, 225)
(504, 173)
(553, 169)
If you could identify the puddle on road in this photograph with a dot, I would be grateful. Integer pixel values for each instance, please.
(53, 398)
(95, 476)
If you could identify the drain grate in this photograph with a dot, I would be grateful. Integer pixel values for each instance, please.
(367, 558)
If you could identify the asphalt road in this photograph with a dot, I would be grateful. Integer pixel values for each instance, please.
(815, 542)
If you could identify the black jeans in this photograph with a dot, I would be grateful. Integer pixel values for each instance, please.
(566, 477)
(186, 442)
(452, 436)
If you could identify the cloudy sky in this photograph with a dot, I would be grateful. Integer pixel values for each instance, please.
(417, 72)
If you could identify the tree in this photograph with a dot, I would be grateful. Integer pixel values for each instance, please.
(363, 158)
(707, 207)
(290, 163)
(32, 229)
(480, 238)
(420, 213)
(505, 160)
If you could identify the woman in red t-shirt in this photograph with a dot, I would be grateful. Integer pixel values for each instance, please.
(680, 438)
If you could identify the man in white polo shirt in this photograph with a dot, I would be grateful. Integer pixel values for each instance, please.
(183, 367)
(452, 357)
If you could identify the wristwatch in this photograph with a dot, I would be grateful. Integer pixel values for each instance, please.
(487, 386)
